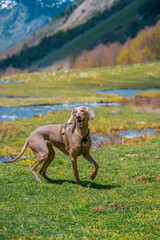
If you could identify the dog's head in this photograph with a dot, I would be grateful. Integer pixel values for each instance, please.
(82, 115)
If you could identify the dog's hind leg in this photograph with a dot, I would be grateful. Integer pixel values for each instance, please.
(33, 168)
(47, 162)
(40, 149)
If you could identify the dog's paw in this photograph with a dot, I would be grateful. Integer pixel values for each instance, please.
(94, 174)
(92, 177)
(38, 181)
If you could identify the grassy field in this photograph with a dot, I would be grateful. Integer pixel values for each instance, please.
(122, 202)
(69, 86)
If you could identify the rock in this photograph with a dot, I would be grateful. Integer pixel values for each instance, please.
(117, 111)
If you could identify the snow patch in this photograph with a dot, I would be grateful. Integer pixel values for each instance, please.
(53, 3)
(7, 4)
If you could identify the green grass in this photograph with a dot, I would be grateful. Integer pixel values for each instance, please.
(122, 202)
(45, 88)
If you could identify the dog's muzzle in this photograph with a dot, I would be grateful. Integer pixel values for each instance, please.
(80, 121)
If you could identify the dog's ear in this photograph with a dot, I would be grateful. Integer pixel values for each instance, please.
(91, 113)
(72, 115)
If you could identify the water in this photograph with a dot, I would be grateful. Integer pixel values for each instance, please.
(12, 97)
(99, 140)
(8, 82)
(23, 112)
(5, 158)
(126, 92)
(9, 158)
(19, 83)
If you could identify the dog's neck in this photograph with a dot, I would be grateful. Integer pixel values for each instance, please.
(83, 131)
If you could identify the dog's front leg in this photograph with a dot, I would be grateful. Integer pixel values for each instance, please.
(75, 170)
(91, 160)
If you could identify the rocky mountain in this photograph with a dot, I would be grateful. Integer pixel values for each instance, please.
(20, 18)
(82, 26)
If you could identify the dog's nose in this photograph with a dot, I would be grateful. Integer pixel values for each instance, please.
(78, 116)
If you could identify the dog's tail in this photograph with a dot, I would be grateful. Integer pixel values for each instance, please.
(20, 154)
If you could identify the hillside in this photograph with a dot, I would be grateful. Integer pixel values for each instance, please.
(85, 27)
(77, 13)
(20, 18)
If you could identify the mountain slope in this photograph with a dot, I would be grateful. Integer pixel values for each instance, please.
(120, 26)
(117, 22)
(20, 18)
(48, 30)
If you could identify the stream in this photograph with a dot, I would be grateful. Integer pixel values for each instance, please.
(100, 140)
(23, 112)
(126, 92)
(13, 83)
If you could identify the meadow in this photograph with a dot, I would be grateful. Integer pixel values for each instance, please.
(77, 85)
(123, 201)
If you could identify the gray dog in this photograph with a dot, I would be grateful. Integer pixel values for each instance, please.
(73, 139)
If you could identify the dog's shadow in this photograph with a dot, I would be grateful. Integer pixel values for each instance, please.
(87, 184)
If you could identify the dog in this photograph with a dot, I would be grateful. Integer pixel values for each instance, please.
(73, 139)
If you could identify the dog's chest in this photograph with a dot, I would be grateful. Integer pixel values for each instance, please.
(79, 146)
